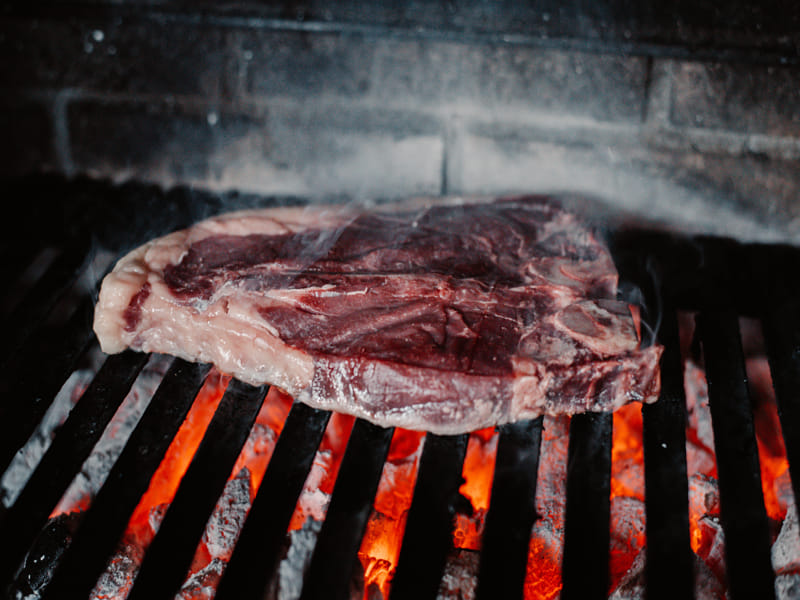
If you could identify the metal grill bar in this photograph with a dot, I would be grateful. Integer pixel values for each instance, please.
(429, 527)
(17, 256)
(512, 512)
(43, 296)
(742, 511)
(257, 551)
(781, 327)
(586, 524)
(70, 448)
(168, 559)
(335, 554)
(27, 390)
(105, 522)
(670, 561)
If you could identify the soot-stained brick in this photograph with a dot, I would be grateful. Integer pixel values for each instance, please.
(306, 64)
(151, 141)
(112, 54)
(736, 97)
(508, 77)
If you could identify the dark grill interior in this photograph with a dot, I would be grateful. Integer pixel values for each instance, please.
(719, 279)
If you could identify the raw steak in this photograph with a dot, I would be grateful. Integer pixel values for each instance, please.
(447, 316)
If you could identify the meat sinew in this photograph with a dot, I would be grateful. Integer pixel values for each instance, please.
(447, 317)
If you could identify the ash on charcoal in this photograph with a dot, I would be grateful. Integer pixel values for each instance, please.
(787, 587)
(300, 543)
(700, 456)
(214, 550)
(202, 585)
(632, 586)
(786, 549)
(228, 518)
(219, 538)
(95, 469)
(42, 558)
(460, 578)
(627, 534)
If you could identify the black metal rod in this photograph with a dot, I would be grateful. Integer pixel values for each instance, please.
(584, 570)
(781, 328)
(336, 552)
(103, 525)
(257, 552)
(512, 512)
(742, 511)
(670, 561)
(43, 296)
(428, 534)
(70, 448)
(169, 556)
(27, 389)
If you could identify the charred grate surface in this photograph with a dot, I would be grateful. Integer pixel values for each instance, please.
(170, 554)
(512, 512)
(427, 537)
(70, 448)
(586, 524)
(336, 551)
(104, 523)
(258, 548)
(742, 510)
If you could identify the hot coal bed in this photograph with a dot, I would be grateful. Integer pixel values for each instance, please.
(136, 476)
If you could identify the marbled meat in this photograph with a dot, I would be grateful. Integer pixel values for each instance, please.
(444, 316)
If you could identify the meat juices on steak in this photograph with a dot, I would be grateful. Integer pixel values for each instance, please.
(446, 317)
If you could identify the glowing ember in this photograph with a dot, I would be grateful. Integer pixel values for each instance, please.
(477, 473)
(543, 573)
(380, 546)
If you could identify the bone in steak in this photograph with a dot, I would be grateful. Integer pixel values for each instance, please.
(446, 316)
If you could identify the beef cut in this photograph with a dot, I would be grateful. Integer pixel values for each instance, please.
(445, 316)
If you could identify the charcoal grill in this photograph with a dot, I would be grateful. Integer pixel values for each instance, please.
(720, 279)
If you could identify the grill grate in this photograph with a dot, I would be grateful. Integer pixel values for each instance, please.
(693, 275)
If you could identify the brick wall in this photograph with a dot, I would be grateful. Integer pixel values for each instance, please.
(335, 100)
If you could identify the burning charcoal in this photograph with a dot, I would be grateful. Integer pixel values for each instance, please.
(627, 534)
(711, 546)
(289, 581)
(95, 469)
(202, 585)
(699, 435)
(786, 549)
(228, 517)
(43, 557)
(460, 578)
(703, 495)
(117, 579)
(632, 585)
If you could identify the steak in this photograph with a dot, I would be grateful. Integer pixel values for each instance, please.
(444, 316)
